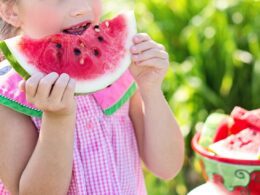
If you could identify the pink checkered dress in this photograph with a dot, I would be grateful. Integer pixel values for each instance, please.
(105, 159)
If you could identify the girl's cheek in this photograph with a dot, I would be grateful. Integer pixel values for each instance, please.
(39, 22)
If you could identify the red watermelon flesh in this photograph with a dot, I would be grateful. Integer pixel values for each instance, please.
(239, 120)
(94, 55)
(244, 119)
(223, 129)
(243, 145)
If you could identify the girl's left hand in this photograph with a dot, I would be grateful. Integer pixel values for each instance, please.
(150, 62)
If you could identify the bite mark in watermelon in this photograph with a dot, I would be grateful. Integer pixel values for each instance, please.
(94, 55)
(243, 145)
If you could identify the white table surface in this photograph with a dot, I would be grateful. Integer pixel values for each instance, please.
(208, 189)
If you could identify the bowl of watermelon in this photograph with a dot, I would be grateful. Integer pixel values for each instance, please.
(228, 149)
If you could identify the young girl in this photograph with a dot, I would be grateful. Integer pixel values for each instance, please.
(78, 145)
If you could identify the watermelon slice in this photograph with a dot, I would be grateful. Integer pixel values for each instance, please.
(243, 145)
(244, 118)
(210, 129)
(223, 129)
(94, 55)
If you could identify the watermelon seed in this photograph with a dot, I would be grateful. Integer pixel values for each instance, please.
(82, 61)
(96, 52)
(107, 24)
(81, 44)
(77, 51)
(96, 28)
(58, 45)
(101, 39)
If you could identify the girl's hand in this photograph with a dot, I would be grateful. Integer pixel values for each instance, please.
(52, 93)
(150, 62)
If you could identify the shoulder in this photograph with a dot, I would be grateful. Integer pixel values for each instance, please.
(10, 118)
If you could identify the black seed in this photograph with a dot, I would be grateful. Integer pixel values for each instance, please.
(77, 51)
(96, 52)
(96, 26)
(101, 39)
(58, 45)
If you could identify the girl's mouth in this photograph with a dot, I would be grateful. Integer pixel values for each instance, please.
(78, 29)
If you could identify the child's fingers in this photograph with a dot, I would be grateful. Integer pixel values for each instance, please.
(45, 85)
(141, 47)
(59, 87)
(31, 85)
(141, 37)
(152, 53)
(69, 91)
(21, 85)
(154, 62)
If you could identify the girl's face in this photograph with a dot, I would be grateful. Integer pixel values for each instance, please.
(38, 18)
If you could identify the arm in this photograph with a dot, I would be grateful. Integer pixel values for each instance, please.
(160, 141)
(18, 137)
(52, 158)
(43, 167)
(159, 138)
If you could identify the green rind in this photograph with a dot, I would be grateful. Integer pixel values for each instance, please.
(111, 110)
(14, 63)
(19, 107)
(210, 127)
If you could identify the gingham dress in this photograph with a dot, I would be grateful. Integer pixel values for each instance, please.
(105, 158)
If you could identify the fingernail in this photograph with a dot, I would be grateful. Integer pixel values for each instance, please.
(54, 74)
(64, 75)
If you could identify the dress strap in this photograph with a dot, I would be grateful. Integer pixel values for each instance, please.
(116, 95)
(10, 95)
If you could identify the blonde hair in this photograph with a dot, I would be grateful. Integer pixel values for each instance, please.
(6, 29)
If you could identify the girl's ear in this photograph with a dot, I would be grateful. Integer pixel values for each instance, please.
(9, 13)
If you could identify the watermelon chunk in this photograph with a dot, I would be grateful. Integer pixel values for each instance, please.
(243, 145)
(244, 119)
(94, 55)
(210, 131)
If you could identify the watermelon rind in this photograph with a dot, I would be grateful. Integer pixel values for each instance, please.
(210, 127)
(19, 62)
(12, 60)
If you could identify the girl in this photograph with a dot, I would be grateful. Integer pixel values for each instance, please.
(76, 147)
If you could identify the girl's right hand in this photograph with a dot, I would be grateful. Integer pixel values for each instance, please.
(52, 93)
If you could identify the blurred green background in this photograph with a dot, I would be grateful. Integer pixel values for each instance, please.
(214, 48)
